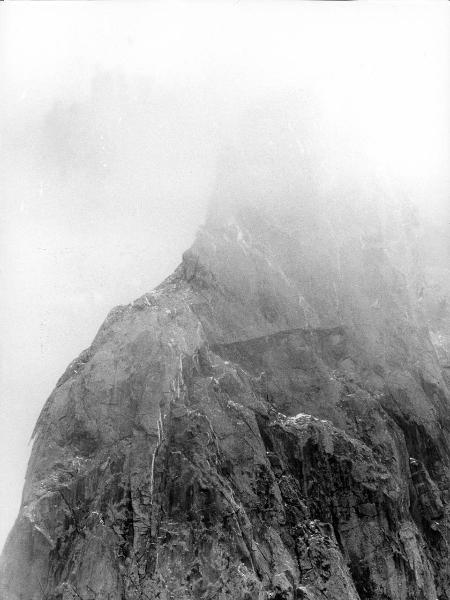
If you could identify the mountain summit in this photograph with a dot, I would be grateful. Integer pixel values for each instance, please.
(271, 422)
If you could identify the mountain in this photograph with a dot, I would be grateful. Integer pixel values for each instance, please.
(271, 422)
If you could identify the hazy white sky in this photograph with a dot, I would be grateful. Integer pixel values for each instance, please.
(113, 116)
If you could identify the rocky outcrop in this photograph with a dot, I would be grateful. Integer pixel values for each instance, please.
(272, 422)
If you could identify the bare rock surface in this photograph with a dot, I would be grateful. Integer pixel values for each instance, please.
(272, 422)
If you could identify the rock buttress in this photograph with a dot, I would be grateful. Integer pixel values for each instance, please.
(272, 422)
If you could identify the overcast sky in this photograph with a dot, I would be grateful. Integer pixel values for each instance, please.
(113, 118)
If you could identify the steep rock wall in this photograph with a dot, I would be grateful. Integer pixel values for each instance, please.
(272, 422)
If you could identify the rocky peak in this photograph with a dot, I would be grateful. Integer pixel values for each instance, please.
(271, 422)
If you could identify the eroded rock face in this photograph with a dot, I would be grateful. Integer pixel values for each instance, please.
(272, 422)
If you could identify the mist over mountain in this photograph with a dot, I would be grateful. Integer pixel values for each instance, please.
(271, 422)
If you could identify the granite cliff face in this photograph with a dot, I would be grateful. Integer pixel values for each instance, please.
(272, 422)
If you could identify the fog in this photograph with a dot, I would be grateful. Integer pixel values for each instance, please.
(116, 117)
